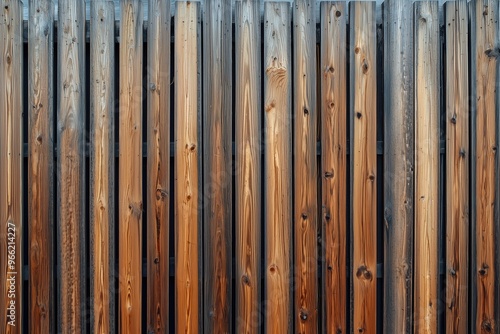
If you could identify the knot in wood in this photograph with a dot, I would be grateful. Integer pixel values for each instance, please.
(328, 175)
(245, 279)
(486, 326)
(364, 273)
(303, 314)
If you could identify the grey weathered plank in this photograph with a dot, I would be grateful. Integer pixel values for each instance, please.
(457, 167)
(130, 205)
(398, 165)
(71, 165)
(427, 117)
(248, 166)
(102, 166)
(333, 74)
(217, 156)
(41, 166)
(11, 106)
(158, 166)
(278, 167)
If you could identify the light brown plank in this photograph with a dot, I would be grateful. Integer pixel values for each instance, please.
(102, 167)
(41, 166)
(11, 106)
(399, 160)
(363, 165)
(427, 146)
(130, 168)
(457, 167)
(333, 70)
(278, 166)
(158, 166)
(248, 166)
(71, 165)
(187, 174)
(484, 55)
(305, 161)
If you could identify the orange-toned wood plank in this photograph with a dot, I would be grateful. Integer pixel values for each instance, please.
(333, 76)
(364, 165)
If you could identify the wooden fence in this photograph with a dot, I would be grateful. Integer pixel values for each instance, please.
(248, 167)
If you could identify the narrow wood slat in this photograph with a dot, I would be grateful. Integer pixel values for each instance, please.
(363, 165)
(484, 81)
(457, 167)
(277, 166)
(305, 178)
(427, 131)
(11, 116)
(399, 159)
(217, 189)
(187, 169)
(333, 70)
(102, 167)
(247, 166)
(158, 166)
(41, 166)
(130, 168)
(71, 165)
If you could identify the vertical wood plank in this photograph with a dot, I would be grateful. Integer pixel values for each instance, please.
(217, 190)
(130, 167)
(158, 166)
(187, 147)
(427, 146)
(41, 166)
(248, 165)
(102, 167)
(484, 74)
(305, 161)
(363, 165)
(333, 70)
(277, 166)
(11, 115)
(71, 164)
(399, 159)
(457, 167)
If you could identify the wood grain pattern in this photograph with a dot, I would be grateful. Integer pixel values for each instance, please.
(130, 168)
(363, 165)
(187, 169)
(102, 167)
(71, 165)
(484, 81)
(41, 166)
(305, 161)
(158, 166)
(277, 166)
(11, 106)
(399, 159)
(427, 146)
(217, 180)
(333, 70)
(457, 167)
(248, 166)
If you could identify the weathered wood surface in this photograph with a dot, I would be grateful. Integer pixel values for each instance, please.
(130, 168)
(217, 180)
(102, 167)
(305, 214)
(333, 75)
(11, 106)
(427, 146)
(277, 166)
(41, 166)
(398, 165)
(457, 167)
(363, 165)
(187, 169)
(247, 166)
(158, 166)
(484, 97)
(71, 165)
